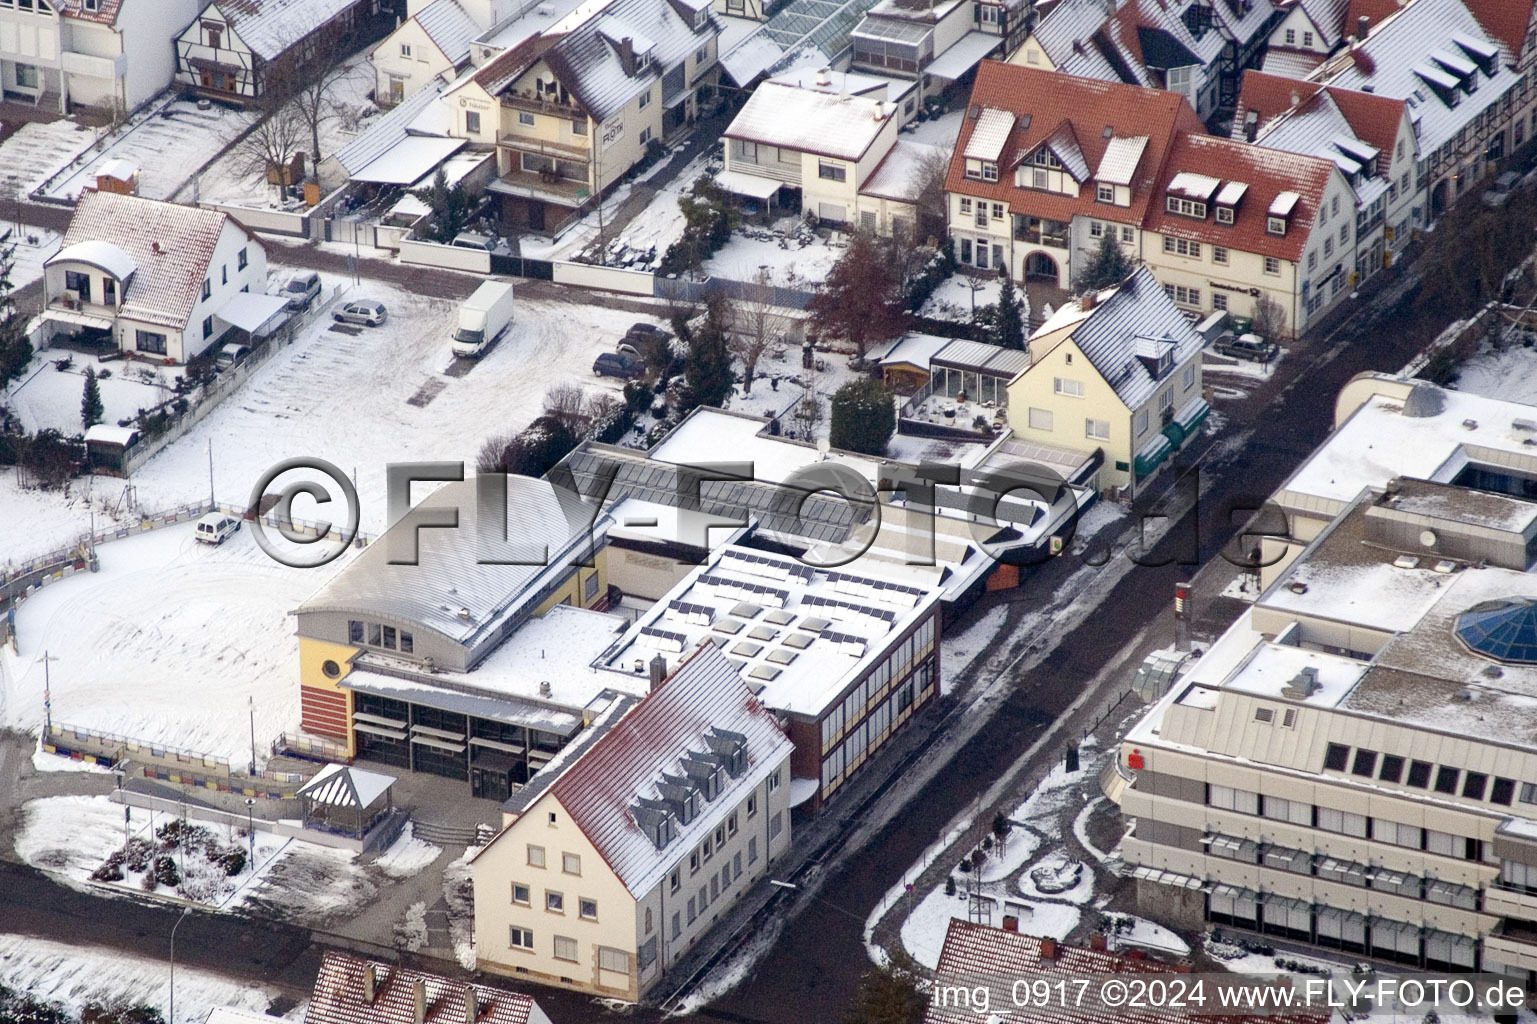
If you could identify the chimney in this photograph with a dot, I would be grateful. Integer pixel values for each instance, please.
(1048, 949)
(880, 110)
(1296, 98)
(370, 980)
(1097, 942)
(1087, 299)
(825, 77)
(1251, 125)
(1363, 26)
(419, 994)
(658, 672)
(471, 1011)
(627, 56)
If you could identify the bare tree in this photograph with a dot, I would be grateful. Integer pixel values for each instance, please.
(756, 325)
(929, 196)
(567, 403)
(302, 79)
(1269, 318)
(270, 148)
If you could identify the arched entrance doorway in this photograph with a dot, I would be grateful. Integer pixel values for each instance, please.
(1039, 267)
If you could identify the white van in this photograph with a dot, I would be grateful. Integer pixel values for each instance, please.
(216, 527)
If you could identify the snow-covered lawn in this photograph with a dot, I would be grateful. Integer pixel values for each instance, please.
(165, 644)
(76, 975)
(310, 886)
(742, 256)
(407, 856)
(923, 932)
(1145, 934)
(167, 145)
(1059, 877)
(49, 397)
(37, 150)
(31, 247)
(1510, 375)
(959, 295)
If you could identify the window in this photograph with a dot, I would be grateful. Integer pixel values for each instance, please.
(1396, 833)
(1141, 423)
(1294, 811)
(674, 880)
(1312, 261)
(616, 960)
(526, 118)
(714, 887)
(1334, 207)
(471, 123)
(536, 856)
(702, 54)
(1229, 799)
(1185, 207)
(1446, 779)
(565, 948)
(692, 913)
(1189, 383)
(1218, 301)
(1105, 193)
(579, 126)
(554, 902)
(752, 850)
(1392, 768)
(1183, 295)
(1224, 215)
(589, 909)
(1474, 784)
(775, 826)
(520, 938)
(150, 341)
(752, 805)
(1336, 756)
(1272, 265)
(207, 288)
(1345, 822)
(965, 205)
(590, 587)
(1503, 790)
(773, 782)
(1307, 39)
(1291, 37)
(1345, 233)
(1365, 763)
(1099, 430)
(1067, 386)
(571, 863)
(1275, 225)
(645, 98)
(208, 327)
(693, 862)
(677, 925)
(1419, 774)
(1040, 419)
(405, 49)
(1128, 234)
(1443, 843)
(1219, 254)
(1266, 715)
(1182, 247)
(241, 260)
(731, 824)
(520, 893)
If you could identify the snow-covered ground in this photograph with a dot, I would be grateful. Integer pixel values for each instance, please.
(1141, 933)
(408, 855)
(958, 650)
(38, 149)
(167, 145)
(346, 399)
(31, 247)
(77, 974)
(960, 295)
(1510, 374)
(741, 257)
(45, 396)
(1230, 367)
(165, 644)
(923, 932)
(310, 886)
(658, 224)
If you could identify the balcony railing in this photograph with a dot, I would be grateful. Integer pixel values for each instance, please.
(543, 105)
(1040, 232)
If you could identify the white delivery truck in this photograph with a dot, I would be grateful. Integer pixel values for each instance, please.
(482, 318)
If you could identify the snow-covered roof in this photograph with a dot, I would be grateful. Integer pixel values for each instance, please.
(1196, 186)
(900, 175)
(168, 245)
(808, 121)
(910, 349)
(98, 253)
(989, 134)
(339, 785)
(251, 311)
(1291, 63)
(118, 168)
(751, 56)
(409, 160)
(396, 126)
(797, 635)
(1231, 193)
(270, 27)
(105, 433)
(339, 998)
(964, 54)
(1120, 160)
(449, 27)
(703, 703)
(450, 589)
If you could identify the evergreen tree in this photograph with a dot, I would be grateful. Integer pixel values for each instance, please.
(889, 994)
(91, 409)
(15, 348)
(707, 377)
(1108, 266)
(864, 417)
(1009, 321)
(450, 205)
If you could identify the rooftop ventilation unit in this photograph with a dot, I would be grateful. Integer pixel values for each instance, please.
(1302, 685)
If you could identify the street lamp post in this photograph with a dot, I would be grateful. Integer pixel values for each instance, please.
(251, 706)
(250, 828)
(171, 1017)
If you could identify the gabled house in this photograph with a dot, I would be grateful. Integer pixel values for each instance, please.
(432, 42)
(937, 45)
(811, 150)
(106, 55)
(603, 878)
(352, 990)
(1234, 223)
(1370, 138)
(1469, 105)
(1116, 372)
(1307, 32)
(1046, 163)
(154, 279)
(571, 109)
(1193, 47)
(233, 47)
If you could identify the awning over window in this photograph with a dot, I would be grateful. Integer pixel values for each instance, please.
(1152, 455)
(1191, 414)
(1175, 433)
(749, 185)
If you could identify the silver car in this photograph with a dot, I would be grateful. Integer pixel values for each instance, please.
(367, 313)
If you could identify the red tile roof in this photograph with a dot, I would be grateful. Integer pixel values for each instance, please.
(598, 790)
(1269, 96)
(1506, 20)
(1267, 172)
(339, 997)
(1376, 10)
(104, 14)
(1375, 119)
(1049, 98)
(978, 954)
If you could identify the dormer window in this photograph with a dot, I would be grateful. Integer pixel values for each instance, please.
(1185, 207)
(1275, 225)
(1224, 215)
(982, 170)
(1104, 193)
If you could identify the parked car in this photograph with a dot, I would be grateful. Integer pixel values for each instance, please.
(638, 337)
(369, 313)
(482, 243)
(1246, 346)
(231, 354)
(216, 527)
(1499, 193)
(617, 364)
(301, 290)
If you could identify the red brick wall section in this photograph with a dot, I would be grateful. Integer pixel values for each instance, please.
(323, 712)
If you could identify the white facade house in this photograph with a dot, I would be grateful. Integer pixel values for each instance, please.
(435, 41)
(163, 281)
(109, 55)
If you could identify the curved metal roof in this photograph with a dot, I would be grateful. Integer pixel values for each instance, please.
(98, 253)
